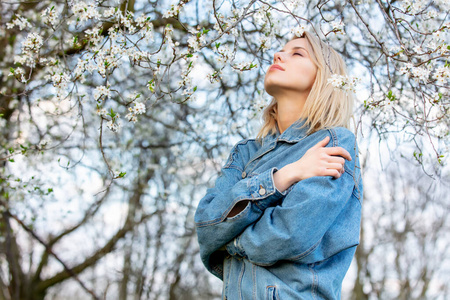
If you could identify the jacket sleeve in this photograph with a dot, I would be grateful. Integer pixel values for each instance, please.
(298, 229)
(214, 229)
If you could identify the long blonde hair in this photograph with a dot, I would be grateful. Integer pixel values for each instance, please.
(325, 106)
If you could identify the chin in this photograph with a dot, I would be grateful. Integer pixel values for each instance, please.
(271, 87)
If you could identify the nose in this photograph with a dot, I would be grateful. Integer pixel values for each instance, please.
(277, 57)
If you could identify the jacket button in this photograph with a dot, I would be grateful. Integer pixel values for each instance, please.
(244, 175)
(262, 191)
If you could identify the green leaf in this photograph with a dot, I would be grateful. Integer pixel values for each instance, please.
(12, 70)
(112, 114)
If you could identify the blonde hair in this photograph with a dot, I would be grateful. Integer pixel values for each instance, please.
(325, 106)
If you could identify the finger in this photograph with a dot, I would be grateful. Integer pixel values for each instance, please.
(332, 172)
(335, 166)
(338, 151)
(322, 143)
(336, 159)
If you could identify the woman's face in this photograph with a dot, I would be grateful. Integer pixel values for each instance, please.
(292, 70)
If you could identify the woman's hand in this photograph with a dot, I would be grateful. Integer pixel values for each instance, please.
(317, 161)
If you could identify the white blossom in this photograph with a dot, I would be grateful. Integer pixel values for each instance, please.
(420, 73)
(417, 49)
(19, 21)
(131, 117)
(84, 11)
(33, 43)
(114, 125)
(260, 16)
(101, 91)
(432, 14)
(442, 74)
(80, 67)
(338, 27)
(266, 42)
(60, 80)
(298, 31)
(50, 16)
(109, 12)
(139, 108)
(19, 73)
(226, 54)
(173, 11)
(414, 6)
(291, 5)
(101, 112)
(194, 43)
(244, 66)
(343, 82)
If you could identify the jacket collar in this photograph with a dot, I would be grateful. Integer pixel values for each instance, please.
(294, 133)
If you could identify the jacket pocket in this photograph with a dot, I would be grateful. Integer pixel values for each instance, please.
(272, 293)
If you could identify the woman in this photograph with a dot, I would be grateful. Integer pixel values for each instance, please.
(282, 221)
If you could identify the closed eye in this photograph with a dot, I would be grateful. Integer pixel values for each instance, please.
(298, 54)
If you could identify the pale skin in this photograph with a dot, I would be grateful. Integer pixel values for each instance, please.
(289, 80)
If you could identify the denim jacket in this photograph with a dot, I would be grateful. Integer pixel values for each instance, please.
(292, 245)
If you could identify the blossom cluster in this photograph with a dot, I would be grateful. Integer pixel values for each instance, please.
(32, 43)
(442, 74)
(20, 22)
(60, 81)
(19, 74)
(244, 66)
(343, 82)
(225, 53)
(414, 6)
(102, 92)
(84, 11)
(114, 124)
(226, 24)
(30, 50)
(173, 11)
(338, 27)
(139, 108)
(197, 39)
(50, 16)
(298, 30)
(186, 79)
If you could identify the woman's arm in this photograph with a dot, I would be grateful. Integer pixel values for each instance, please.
(301, 224)
(317, 161)
(214, 226)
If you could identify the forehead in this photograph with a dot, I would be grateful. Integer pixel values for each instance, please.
(299, 42)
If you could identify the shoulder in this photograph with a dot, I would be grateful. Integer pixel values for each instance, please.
(339, 136)
(241, 152)
(342, 137)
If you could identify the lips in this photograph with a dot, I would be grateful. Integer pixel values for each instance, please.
(276, 67)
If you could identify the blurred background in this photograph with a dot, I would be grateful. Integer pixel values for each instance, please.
(115, 116)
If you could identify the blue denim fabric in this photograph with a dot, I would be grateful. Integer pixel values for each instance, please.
(293, 245)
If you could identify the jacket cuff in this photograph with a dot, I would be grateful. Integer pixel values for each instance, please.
(234, 247)
(263, 191)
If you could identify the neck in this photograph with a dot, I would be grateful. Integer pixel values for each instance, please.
(289, 109)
